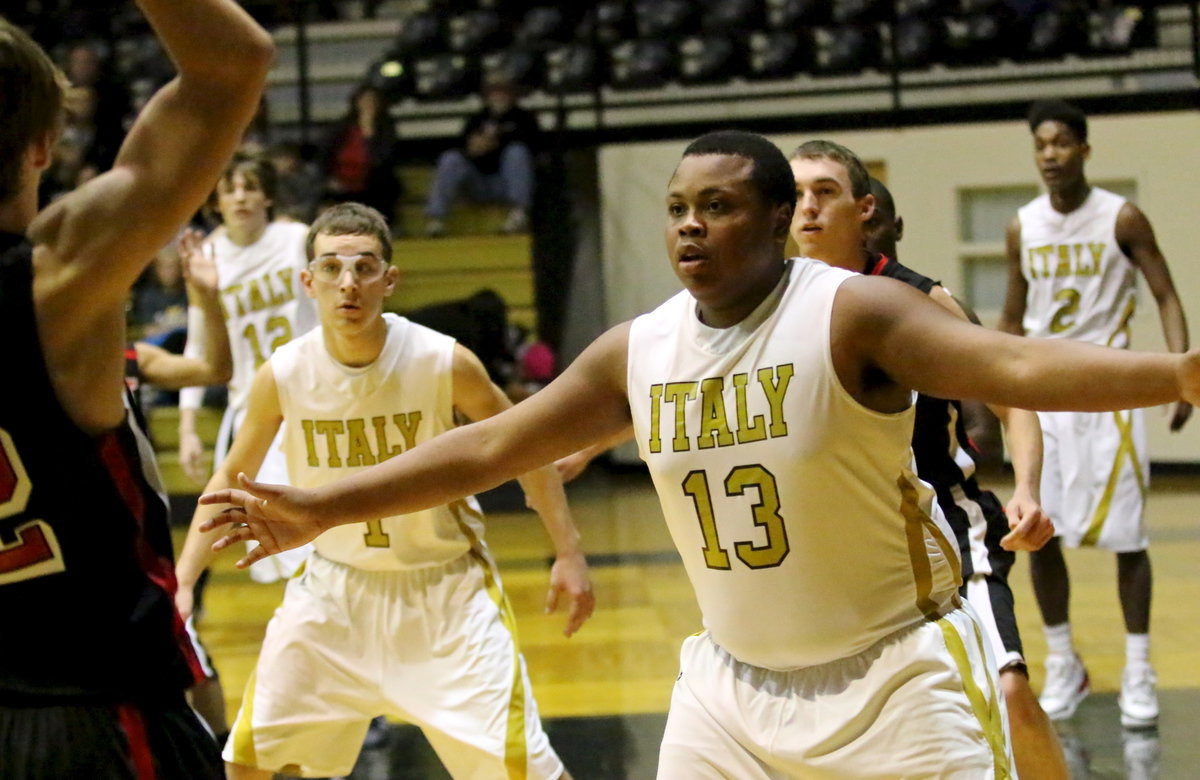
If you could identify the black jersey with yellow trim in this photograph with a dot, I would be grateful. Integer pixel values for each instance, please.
(87, 580)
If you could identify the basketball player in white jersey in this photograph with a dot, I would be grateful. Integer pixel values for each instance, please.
(259, 260)
(828, 175)
(1074, 254)
(772, 403)
(402, 616)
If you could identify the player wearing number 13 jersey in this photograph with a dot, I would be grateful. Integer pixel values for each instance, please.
(400, 616)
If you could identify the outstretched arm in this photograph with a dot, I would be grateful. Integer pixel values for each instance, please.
(1136, 239)
(585, 404)
(1014, 297)
(91, 245)
(477, 398)
(574, 464)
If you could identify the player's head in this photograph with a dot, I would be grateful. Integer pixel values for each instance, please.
(245, 194)
(729, 204)
(885, 228)
(1060, 143)
(31, 109)
(349, 272)
(833, 202)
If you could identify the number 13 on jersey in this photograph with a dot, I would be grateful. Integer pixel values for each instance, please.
(765, 513)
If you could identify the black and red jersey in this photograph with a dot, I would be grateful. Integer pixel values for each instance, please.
(87, 580)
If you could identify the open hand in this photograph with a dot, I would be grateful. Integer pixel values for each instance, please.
(278, 517)
(569, 577)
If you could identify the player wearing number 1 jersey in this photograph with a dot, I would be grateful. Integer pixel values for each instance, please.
(258, 267)
(400, 616)
(1074, 254)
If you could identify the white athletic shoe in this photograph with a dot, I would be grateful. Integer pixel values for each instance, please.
(1067, 684)
(1138, 699)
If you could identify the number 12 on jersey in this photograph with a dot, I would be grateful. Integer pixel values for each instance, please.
(765, 513)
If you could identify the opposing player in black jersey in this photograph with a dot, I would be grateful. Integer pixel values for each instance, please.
(946, 459)
(93, 662)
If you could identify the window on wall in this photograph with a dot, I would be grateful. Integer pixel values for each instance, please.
(983, 217)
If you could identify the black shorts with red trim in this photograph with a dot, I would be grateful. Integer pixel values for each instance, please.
(106, 742)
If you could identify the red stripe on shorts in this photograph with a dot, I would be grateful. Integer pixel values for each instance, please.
(139, 744)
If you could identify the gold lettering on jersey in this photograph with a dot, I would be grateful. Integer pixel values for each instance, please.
(360, 449)
(1062, 260)
(381, 441)
(331, 429)
(310, 443)
(265, 292)
(349, 443)
(714, 429)
(408, 425)
(775, 390)
(749, 429)
(679, 393)
(656, 392)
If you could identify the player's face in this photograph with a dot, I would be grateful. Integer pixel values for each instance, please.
(828, 224)
(349, 280)
(724, 239)
(241, 201)
(1059, 154)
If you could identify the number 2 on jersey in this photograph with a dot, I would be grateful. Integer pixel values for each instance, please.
(35, 551)
(765, 512)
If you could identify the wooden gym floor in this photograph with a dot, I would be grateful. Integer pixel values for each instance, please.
(603, 694)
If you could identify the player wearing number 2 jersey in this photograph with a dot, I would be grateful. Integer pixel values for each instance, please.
(1074, 254)
(258, 268)
(400, 616)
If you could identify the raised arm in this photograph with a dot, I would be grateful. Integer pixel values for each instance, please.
(587, 403)
(91, 244)
(1014, 297)
(250, 447)
(476, 397)
(1136, 239)
(167, 370)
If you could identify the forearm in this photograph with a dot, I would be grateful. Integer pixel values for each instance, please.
(217, 354)
(1174, 323)
(187, 421)
(213, 41)
(544, 495)
(1023, 433)
(196, 554)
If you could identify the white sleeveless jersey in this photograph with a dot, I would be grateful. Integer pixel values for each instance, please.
(796, 510)
(338, 420)
(1081, 285)
(265, 306)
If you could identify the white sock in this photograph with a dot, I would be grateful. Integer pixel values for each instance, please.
(1058, 639)
(1137, 650)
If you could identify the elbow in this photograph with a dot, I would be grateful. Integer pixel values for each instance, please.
(221, 375)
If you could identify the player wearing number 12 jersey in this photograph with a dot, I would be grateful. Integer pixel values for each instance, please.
(258, 267)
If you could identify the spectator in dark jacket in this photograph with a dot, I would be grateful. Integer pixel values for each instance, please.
(359, 156)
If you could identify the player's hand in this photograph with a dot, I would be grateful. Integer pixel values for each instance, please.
(278, 517)
(1188, 377)
(199, 262)
(185, 600)
(1183, 411)
(1030, 527)
(191, 457)
(569, 577)
(572, 465)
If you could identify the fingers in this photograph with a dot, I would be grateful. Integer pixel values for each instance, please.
(582, 606)
(551, 599)
(1183, 412)
(226, 496)
(252, 557)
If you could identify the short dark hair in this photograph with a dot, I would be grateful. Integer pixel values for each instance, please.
(860, 180)
(350, 219)
(771, 174)
(1059, 111)
(31, 101)
(255, 166)
(884, 203)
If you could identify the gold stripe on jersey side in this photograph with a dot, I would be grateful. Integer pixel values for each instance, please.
(515, 748)
(1125, 449)
(241, 736)
(1123, 325)
(987, 711)
(916, 523)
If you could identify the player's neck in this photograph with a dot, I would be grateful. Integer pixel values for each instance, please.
(356, 347)
(246, 233)
(17, 213)
(1070, 197)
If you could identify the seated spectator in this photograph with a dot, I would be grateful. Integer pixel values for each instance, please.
(359, 155)
(158, 308)
(493, 163)
(299, 185)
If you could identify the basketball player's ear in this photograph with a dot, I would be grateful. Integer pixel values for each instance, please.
(783, 222)
(391, 277)
(306, 280)
(866, 208)
(899, 228)
(41, 152)
(1085, 150)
